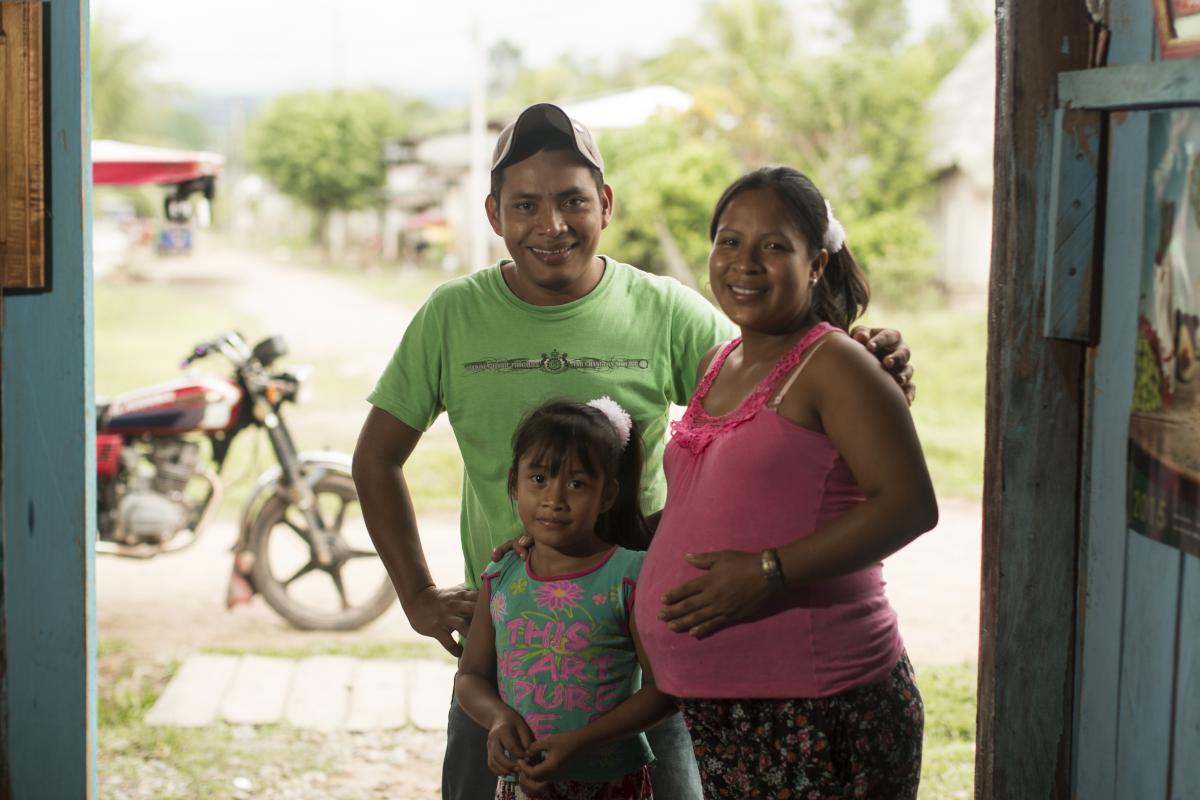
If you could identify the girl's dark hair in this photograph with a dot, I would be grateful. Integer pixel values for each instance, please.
(561, 430)
(842, 294)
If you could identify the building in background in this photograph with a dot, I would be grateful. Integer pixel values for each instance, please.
(962, 118)
(430, 209)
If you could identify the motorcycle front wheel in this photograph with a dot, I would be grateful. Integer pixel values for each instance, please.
(345, 593)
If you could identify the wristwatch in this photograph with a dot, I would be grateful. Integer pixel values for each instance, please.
(772, 569)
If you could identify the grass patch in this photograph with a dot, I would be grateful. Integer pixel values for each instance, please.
(144, 330)
(948, 765)
(135, 759)
(950, 360)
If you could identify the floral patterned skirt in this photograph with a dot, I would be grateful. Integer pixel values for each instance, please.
(634, 786)
(862, 743)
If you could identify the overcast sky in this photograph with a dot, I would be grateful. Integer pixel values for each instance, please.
(420, 47)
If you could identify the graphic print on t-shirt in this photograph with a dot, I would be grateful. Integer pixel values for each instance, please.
(556, 362)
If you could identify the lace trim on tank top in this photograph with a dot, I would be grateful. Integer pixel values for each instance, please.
(697, 429)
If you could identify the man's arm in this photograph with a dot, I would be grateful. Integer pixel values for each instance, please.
(384, 445)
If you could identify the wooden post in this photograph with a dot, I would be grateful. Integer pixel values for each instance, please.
(47, 498)
(1031, 471)
(22, 180)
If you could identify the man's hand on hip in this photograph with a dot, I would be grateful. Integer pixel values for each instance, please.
(438, 613)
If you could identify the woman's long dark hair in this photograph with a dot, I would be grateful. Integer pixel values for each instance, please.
(563, 430)
(842, 294)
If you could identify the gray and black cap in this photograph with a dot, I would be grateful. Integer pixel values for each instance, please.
(533, 125)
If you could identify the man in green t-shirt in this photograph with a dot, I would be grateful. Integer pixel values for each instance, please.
(557, 320)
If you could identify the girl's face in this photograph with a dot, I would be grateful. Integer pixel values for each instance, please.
(760, 268)
(560, 510)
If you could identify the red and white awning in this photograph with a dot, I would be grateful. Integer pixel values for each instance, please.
(124, 164)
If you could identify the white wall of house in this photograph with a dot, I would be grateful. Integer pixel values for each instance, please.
(962, 118)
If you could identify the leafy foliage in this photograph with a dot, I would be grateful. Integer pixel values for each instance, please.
(665, 179)
(847, 107)
(127, 103)
(325, 149)
(853, 118)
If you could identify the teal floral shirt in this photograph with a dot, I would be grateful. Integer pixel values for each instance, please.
(565, 655)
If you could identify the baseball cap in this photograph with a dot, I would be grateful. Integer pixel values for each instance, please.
(537, 121)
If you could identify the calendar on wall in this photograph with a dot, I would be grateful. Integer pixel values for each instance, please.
(1163, 500)
(1178, 27)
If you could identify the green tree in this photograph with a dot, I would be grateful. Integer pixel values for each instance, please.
(325, 149)
(854, 119)
(119, 68)
(875, 24)
(667, 182)
(127, 103)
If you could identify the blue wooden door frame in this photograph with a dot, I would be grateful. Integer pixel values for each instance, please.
(1137, 720)
(1090, 634)
(1034, 419)
(47, 499)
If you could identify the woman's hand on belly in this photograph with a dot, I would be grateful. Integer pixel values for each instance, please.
(732, 587)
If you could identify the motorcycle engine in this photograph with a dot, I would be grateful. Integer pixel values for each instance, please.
(156, 506)
(146, 517)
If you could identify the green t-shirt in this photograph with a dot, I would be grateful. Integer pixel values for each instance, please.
(485, 357)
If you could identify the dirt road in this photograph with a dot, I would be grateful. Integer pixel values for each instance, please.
(175, 604)
(171, 606)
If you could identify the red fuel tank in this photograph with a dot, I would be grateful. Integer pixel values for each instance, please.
(199, 403)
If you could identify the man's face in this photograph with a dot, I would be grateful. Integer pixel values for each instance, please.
(550, 215)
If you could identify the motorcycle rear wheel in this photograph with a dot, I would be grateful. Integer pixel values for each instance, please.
(343, 596)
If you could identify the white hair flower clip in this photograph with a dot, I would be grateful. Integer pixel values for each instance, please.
(619, 417)
(835, 234)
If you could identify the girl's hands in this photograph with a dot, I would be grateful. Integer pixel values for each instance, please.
(732, 588)
(507, 743)
(545, 757)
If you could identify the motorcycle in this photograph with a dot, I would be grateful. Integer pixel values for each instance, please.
(301, 544)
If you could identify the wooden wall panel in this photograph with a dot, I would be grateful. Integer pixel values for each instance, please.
(1185, 751)
(22, 178)
(1034, 415)
(1103, 547)
(1071, 279)
(49, 462)
(1147, 668)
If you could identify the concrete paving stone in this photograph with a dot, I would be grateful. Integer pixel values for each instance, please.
(378, 696)
(430, 686)
(259, 690)
(193, 697)
(319, 697)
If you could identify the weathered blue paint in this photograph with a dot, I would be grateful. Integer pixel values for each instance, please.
(1033, 424)
(1102, 549)
(1138, 700)
(1147, 668)
(1072, 235)
(49, 460)
(1185, 766)
(1132, 86)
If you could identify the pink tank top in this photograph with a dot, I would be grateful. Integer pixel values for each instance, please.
(750, 480)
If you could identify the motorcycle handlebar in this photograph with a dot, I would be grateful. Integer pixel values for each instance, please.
(229, 344)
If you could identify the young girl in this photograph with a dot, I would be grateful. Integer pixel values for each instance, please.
(556, 633)
(794, 470)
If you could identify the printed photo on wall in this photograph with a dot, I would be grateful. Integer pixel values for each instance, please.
(1164, 426)
(1178, 27)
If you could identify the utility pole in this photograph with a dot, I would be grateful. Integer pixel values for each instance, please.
(480, 231)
